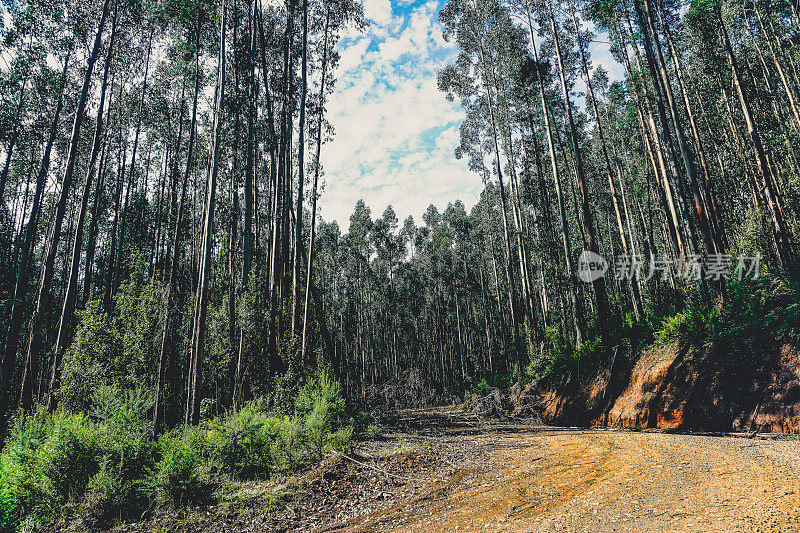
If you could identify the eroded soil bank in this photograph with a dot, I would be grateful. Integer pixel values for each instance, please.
(687, 390)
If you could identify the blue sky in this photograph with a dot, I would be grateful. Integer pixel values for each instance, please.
(394, 131)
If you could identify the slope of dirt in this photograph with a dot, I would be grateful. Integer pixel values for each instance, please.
(674, 389)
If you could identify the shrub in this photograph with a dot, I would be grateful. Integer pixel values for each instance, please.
(241, 443)
(55, 464)
(69, 457)
(105, 494)
(341, 440)
(21, 492)
(692, 326)
(87, 360)
(760, 313)
(119, 351)
(373, 431)
(129, 453)
(321, 405)
(178, 478)
(106, 465)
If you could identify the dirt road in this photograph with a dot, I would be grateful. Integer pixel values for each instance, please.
(514, 477)
(441, 471)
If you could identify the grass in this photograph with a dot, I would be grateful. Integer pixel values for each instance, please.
(395, 450)
(247, 500)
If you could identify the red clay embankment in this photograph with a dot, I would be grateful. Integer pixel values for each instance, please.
(699, 389)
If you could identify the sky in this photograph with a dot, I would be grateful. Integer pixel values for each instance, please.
(395, 132)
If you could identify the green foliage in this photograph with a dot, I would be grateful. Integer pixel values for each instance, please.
(481, 388)
(635, 334)
(105, 493)
(86, 361)
(58, 464)
(252, 444)
(760, 314)
(321, 406)
(22, 492)
(485, 385)
(756, 317)
(119, 352)
(372, 431)
(105, 465)
(690, 327)
(179, 478)
(752, 235)
(554, 360)
(46, 466)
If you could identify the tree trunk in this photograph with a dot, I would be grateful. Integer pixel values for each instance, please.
(632, 284)
(577, 316)
(780, 229)
(174, 254)
(298, 228)
(65, 322)
(504, 209)
(132, 184)
(309, 274)
(12, 141)
(590, 239)
(198, 336)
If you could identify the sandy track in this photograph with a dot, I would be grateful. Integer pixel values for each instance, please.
(510, 477)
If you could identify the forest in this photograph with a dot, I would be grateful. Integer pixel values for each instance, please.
(176, 311)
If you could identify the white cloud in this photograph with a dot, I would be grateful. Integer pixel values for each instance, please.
(379, 11)
(352, 56)
(395, 131)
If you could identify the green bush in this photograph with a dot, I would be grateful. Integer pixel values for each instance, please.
(248, 444)
(341, 440)
(55, 464)
(106, 494)
(755, 314)
(69, 457)
(105, 466)
(46, 466)
(321, 406)
(691, 327)
(129, 453)
(178, 478)
(21, 490)
(760, 313)
(119, 351)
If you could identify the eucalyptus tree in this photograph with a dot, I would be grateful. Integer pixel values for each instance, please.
(335, 19)
(21, 285)
(486, 38)
(65, 321)
(201, 298)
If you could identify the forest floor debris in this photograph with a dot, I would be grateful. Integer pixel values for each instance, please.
(443, 470)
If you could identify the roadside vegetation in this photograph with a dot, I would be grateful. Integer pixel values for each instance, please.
(103, 465)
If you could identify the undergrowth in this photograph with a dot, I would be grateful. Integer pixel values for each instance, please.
(754, 316)
(103, 466)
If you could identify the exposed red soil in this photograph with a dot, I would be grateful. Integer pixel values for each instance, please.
(673, 389)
